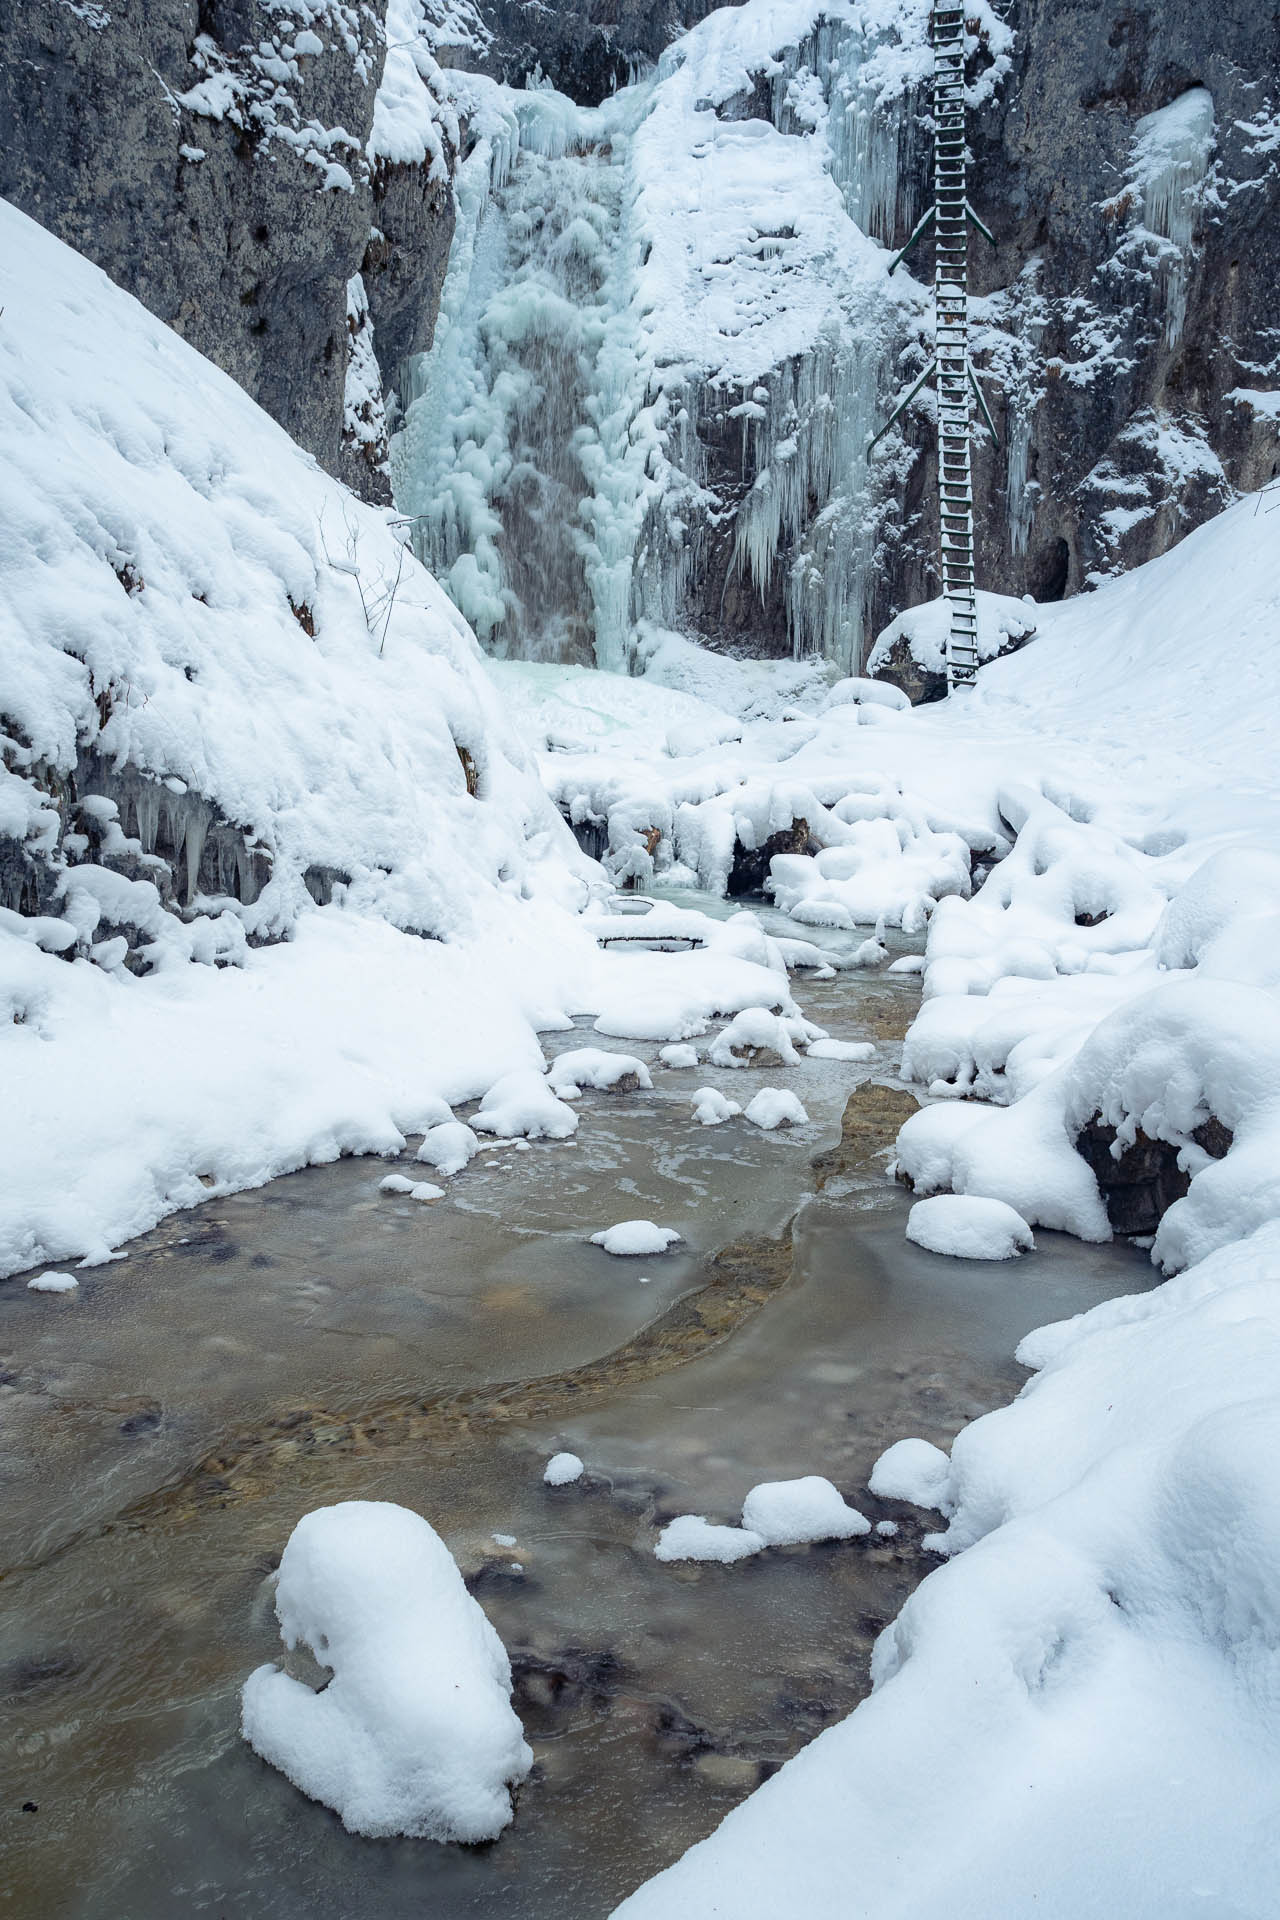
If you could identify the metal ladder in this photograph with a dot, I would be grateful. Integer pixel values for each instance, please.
(950, 369)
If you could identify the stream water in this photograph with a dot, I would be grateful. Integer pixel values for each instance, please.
(317, 1341)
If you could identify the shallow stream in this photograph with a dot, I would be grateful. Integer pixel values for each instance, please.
(316, 1341)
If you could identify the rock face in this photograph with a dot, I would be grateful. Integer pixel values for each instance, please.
(213, 157)
(1130, 171)
(210, 156)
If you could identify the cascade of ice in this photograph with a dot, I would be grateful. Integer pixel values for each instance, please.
(1172, 151)
(553, 449)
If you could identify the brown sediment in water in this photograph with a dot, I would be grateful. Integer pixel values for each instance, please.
(738, 1281)
(868, 1129)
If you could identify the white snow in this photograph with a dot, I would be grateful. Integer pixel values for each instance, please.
(592, 1067)
(690, 1537)
(913, 1470)
(630, 1237)
(711, 1108)
(968, 1228)
(53, 1282)
(775, 1107)
(788, 1512)
(841, 1049)
(414, 1733)
(410, 1189)
(678, 1055)
(562, 1469)
(522, 1106)
(448, 1146)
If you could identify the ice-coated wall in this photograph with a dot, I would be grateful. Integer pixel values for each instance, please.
(666, 339)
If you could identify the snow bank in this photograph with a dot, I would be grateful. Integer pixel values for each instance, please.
(968, 1229)
(1075, 1708)
(414, 1734)
(786, 1513)
(632, 1237)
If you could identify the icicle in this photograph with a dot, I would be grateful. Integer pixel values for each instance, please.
(1172, 150)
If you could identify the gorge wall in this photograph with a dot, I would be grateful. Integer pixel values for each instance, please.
(278, 180)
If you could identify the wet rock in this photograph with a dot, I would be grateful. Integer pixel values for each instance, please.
(1140, 1186)
(551, 1688)
(146, 1420)
(750, 867)
(32, 1670)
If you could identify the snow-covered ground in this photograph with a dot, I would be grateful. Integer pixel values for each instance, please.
(190, 609)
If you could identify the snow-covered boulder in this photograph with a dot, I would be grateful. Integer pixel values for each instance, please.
(751, 1032)
(630, 1237)
(562, 1469)
(690, 1537)
(448, 1147)
(410, 1189)
(968, 1227)
(775, 1107)
(415, 1733)
(788, 1512)
(915, 1471)
(595, 1067)
(678, 1054)
(712, 1109)
(522, 1105)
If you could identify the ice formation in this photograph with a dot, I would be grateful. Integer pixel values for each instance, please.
(414, 1733)
(614, 297)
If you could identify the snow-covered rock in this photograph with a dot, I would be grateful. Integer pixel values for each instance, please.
(414, 1733)
(969, 1228)
(788, 1512)
(448, 1146)
(711, 1108)
(690, 1537)
(562, 1469)
(775, 1107)
(53, 1282)
(678, 1055)
(913, 1470)
(410, 1189)
(522, 1106)
(630, 1237)
(593, 1067)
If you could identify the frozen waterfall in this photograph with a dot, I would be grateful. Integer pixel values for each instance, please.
(615, 301)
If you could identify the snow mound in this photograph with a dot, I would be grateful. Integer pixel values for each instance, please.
(522, 1106)
(711, 1108)
(913, 1470)
(841, 1049)
(448, 1147)
(562, 1469)
(415, 1733)
(52, 1282)
(786, 1513)
(411, 1189)
(969, 1228)
(678, 1055)
(690, 1537)
(635, 1237)
(775, 1107)
(593, 1067)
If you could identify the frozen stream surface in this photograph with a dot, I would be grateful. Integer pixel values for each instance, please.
(317, 1340)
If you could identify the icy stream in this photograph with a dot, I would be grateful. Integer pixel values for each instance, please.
(317, 1340)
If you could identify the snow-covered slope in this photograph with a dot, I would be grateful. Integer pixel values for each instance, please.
(1076, 1716)
(226, 689)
